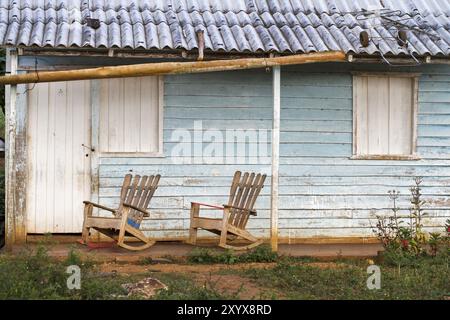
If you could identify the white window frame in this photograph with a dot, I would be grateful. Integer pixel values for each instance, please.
(413, 155)
(160, 152)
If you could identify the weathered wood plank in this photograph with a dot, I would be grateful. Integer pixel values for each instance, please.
(285, 170)
(252, 114)
(293, 190)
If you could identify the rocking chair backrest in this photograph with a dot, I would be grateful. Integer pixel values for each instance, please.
(137, 191)
(243, 194)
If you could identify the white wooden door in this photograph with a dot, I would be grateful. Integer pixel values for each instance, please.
(58, 164)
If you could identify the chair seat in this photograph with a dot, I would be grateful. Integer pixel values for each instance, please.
(103, 222)
(207, 223)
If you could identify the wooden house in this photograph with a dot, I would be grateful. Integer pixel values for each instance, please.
(344, 133)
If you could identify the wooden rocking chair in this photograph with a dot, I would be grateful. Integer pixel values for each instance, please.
(243, 194)
(135, 197)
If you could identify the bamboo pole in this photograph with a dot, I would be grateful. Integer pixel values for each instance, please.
(148, 69)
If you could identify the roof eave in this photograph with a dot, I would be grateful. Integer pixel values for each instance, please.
(183, 55)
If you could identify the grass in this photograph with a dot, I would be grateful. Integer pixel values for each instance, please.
(426, 279)
(182, 287)
(35, 275)
(207, 256)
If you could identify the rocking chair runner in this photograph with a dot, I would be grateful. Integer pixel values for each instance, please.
(243, 194)
(135, 197)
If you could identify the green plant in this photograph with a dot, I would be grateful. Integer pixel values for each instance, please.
(416, 210)
(434, 242)
(259, 254)
(387, 227)
(399, 256)
(33, 274)
(412, 239)
(447, 228)
(420, 278)
(417, 213)
(73, 258)
(405, 237)
(207, 256)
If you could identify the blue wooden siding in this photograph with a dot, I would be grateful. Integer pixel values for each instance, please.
(323, 193)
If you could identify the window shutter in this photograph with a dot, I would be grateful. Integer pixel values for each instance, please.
(129, 115)
(384, 111)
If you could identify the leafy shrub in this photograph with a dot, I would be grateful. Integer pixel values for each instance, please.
(207, 256)
(259, 254)
(395, 255)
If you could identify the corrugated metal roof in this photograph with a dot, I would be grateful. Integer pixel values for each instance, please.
(285, 26)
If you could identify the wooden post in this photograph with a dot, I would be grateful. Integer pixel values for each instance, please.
(95, 87)
(10, 146)
(275, 157)
(20, 164)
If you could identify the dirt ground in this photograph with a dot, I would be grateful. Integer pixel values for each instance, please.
(128, 269)
(169, 260)
(215, 277)
(234, 285)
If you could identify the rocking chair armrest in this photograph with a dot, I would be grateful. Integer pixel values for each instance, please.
(145, 212)
(99, 206)
(252, 212)
(208, 205)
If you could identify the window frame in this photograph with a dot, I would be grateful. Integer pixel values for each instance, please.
(415, 100)
(160, 152)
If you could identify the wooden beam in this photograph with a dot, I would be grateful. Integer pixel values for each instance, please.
(147, 69)
(275, 157)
